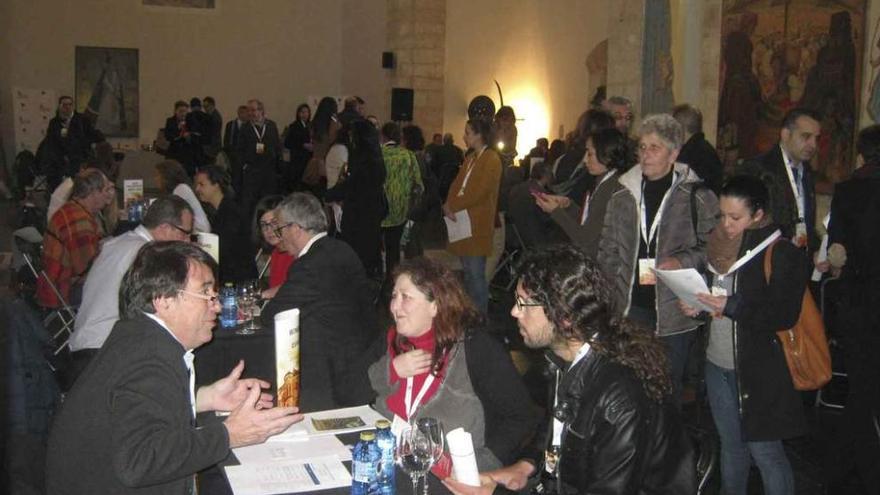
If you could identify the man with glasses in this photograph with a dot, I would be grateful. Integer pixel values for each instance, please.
(129, 425)
(169, 218)
(337, 317)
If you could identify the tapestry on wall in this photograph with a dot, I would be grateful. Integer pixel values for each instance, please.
(190, 4)
(107, 87)
(781, 54)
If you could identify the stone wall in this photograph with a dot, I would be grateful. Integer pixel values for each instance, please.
(416, 33)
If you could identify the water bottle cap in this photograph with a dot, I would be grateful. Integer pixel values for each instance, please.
(228, 284)
(368, 435)
(383, 424)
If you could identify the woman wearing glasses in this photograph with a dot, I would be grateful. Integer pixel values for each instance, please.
(228, 222)
(436, 362)
(265, 238)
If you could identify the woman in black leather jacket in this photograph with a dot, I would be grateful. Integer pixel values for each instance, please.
(614, 429)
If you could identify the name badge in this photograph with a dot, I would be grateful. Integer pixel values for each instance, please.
(64, 132)
(399, 425)
(261, 148)
(719, 292)
(800, 235)
(646, 273)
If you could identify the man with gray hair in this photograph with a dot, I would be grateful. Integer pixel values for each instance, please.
(621, 109)
(72, 236)
(337, 318)
(696, 152)
(169, 218)
(259, 150)
(659, 219)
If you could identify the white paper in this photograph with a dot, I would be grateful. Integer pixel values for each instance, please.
(210, 243)
(464, 461)
(318, 473)
(287, 371)
(460, 228)
(822, 255)
(304, 428)
(686, 284)
(304, 449)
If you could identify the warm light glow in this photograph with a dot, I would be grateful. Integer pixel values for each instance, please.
(532, 117)
(500, 145)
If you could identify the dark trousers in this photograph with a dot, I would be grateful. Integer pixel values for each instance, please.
(391, 239)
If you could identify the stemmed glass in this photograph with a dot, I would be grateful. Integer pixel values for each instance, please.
(414, 454)
(432, 428)
(247, 297)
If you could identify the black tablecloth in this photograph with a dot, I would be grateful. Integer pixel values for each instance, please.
(216, 359)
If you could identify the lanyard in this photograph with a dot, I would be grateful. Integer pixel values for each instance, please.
(558, 425)
(751, 253)
(795, 187)
(408, 400)
(470, 169)
(259, 134)
(646, 235)
(589, 197)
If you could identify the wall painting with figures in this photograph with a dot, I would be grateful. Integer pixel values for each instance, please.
(107, 88)
(780, 54)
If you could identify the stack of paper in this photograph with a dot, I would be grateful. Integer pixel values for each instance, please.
(331, 422)
(317, 473)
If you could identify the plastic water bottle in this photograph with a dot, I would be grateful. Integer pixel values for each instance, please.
(385, 442)
(365, 465)
(229, 313)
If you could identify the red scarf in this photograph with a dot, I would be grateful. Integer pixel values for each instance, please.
(396, 400)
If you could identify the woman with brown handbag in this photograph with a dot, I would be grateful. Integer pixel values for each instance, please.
(753, 401)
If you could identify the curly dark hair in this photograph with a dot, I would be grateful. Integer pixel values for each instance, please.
(456, 314)
(576, 298)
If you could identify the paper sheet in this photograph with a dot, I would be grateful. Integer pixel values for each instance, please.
(822, 255)
(317, 473)
(292, 450)
(211, 244)
(309, 426)
(686, 284)
(460, 228)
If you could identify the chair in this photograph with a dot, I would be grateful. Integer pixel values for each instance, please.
(58, 321)
(834, 346)
(513, 250)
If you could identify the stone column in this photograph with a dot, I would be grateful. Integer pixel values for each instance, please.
(626, 25)
(416, 31)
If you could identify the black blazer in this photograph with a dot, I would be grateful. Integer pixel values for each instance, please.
(298, 134)
(770, 168)
(236, 249)
(231, 135)
(127, 425)
(703, 159)
(76, 146)
(534, 226)
(337, 323)
(263, 163)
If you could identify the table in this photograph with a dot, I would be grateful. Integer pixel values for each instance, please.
(214, 482)
(216, 359)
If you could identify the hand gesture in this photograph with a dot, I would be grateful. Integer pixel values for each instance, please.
(447, 212)
(487, 486)
(549, 202)
(412, 363)
(514, 477)
(227, 393)
(717, 303)
(687, 309)
(248, 424)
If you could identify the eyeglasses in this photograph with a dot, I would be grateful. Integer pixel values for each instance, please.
(267, 225)
(212, 298)
(520, 303)
(279, 229)
(188, 233)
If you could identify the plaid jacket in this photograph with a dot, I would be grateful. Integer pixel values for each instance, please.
(69, 246)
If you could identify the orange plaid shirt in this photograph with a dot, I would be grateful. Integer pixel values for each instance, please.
(69, 246)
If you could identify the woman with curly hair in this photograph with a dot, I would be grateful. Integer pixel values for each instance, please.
(613, 428)
(437, 362)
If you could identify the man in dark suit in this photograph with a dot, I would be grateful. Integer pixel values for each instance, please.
(696, 152)
(259, 148)
(179, 132)
(337, 318)
(69, 140)
(786, 171)
(211, 142)
(231, 137)
(128, 426)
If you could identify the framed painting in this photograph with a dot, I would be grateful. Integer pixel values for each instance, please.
(782, 54)
(186, 4)
(107, 88)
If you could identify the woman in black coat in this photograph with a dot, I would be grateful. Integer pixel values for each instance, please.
(753, 401)
(360, 188)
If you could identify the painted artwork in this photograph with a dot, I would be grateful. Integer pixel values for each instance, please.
(187, 4)
(107, 88)
(657, 73)
(781, 54)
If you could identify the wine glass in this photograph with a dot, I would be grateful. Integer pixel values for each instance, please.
(246, 299)
(254, 290)
(432, 428)
(414, 454)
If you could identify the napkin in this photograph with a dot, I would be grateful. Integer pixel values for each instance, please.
(464, 461)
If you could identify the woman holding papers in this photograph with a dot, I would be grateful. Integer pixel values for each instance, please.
(436, 362)
(607, 156)
(753, 401)
(473, 196)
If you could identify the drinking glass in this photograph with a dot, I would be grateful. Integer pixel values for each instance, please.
(432, 428)
(414, 454)
(246, 299)
(254, 290)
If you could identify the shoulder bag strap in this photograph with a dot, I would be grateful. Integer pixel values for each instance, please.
(768, 262)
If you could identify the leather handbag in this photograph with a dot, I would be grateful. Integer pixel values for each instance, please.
(805, 344)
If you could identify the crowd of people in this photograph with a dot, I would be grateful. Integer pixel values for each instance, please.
(335, 202)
